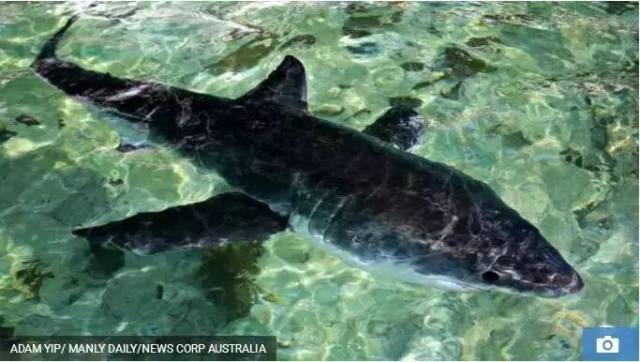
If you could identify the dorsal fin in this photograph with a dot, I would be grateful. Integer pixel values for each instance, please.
(287, 84)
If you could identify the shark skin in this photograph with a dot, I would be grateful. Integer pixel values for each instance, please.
(360, 194)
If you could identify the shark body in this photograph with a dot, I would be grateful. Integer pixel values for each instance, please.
(361, 194)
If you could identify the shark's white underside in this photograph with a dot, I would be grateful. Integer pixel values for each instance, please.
(389, 268)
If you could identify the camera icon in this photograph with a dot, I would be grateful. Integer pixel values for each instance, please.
(607, 344)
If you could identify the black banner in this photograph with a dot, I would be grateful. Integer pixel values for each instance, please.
(94, 348)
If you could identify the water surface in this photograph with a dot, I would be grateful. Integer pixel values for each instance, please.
(538, 100)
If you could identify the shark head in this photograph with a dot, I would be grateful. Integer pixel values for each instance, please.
(471, 239)
(502, 251)
(521, 260)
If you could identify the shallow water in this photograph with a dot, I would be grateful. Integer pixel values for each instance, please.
(538, 100)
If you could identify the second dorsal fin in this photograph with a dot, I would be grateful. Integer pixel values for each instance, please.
(287, 84)
(400, 126)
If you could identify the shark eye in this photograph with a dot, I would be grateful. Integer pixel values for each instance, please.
(490, 276)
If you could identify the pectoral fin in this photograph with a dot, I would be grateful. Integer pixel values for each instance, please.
(224, 218)
(400, 126)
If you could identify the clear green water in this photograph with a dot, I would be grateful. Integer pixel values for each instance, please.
(542, 106)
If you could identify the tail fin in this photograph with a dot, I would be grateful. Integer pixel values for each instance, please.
(49, 49)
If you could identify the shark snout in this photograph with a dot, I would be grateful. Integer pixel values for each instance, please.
(560, 278)
(568, 284)
(543, 272)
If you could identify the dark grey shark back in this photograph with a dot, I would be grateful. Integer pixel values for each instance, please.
(358, 192)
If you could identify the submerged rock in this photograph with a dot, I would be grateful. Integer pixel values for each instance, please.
(302, 40)
(478, 42)
(27, 120)
(5, 134)
(366, 19)
(453, 92)
(357, 27)
(423, 84)
(412, 66)
(366, 48)
(410, 102)
(459, 64)
(572, 156)
(513, 18)
(513, 138)
(620, 7)
(245, 57)
(30, 277)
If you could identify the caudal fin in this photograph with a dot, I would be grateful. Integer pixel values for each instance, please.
(48, 51)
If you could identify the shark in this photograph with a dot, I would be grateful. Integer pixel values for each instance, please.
(362, 195)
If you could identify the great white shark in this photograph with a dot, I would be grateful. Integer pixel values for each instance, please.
(360, 194)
